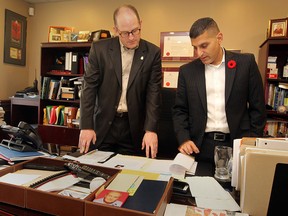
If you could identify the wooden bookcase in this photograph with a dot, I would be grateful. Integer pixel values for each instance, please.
(278, 121)
(50, 52)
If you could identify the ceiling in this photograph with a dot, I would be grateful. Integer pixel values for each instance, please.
(43, 1)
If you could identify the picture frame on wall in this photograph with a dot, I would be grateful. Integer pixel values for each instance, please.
(278, 28)
(176, 46)
(15, 38)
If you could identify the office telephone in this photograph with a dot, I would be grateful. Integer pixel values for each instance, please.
(22, 138)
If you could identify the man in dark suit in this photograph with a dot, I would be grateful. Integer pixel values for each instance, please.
(121, 91)
(219, 97)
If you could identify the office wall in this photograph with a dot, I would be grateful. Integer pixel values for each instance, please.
(244, 24)
(12, 77)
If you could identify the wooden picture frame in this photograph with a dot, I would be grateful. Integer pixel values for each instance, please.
(176, 46)
(15, 38)
(278, 28)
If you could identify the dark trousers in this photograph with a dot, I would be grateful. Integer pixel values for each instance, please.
(208, 146)
(119, 138)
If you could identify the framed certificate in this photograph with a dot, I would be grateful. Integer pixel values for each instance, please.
(170, 77)
(176, 46)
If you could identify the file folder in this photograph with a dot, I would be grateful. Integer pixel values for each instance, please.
(257, 178)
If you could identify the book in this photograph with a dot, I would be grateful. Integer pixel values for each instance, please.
(45, 87)
(111, 197)
(11, 155)
(74, 63)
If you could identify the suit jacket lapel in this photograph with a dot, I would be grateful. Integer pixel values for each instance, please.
(229, 74)
(115, 53)
(138, 59)
(201, 85)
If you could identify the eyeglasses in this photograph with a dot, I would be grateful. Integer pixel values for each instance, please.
(126, 34)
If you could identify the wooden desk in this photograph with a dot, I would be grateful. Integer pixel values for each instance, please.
(24, 109)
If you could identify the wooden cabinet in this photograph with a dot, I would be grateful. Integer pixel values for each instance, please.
(276, 88)
(55, 62)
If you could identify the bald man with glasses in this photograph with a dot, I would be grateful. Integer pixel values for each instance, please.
(120, 99)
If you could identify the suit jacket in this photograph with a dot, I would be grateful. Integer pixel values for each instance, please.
(103, 85)
(244, 99)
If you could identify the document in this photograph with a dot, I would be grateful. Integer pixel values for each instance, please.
(183, 163)
(59, 183)
(209, 193)
(18, 179)
(94, 157)
(173, 209)
(126, 183)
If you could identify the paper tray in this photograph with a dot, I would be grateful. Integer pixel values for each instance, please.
(145, 197)
(47, 202)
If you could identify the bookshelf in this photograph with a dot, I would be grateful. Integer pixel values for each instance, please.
(275, 84)
(62, 65)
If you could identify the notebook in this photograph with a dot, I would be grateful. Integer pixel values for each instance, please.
(279, 193)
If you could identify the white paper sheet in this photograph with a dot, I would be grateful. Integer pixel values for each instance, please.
(209, 193)
(18, 179)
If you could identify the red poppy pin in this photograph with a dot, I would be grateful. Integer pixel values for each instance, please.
(231, 64)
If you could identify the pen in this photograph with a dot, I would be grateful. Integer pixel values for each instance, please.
(112, 155)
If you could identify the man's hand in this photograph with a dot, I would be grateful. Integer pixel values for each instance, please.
(188, 148)
(150, 142)
(86, 137)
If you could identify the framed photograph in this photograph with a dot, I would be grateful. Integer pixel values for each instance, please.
(170, 77)
(59, 34)
(83, 36)
(176, 46)
(15, 38)
(278, 28)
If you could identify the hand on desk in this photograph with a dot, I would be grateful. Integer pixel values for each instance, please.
(86, 137)
(150, 142)
(188, 148)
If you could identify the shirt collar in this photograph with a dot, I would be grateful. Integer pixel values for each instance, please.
(223, 60)
(123, 48)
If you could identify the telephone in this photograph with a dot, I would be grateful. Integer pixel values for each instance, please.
(22, 138)
(29, 90)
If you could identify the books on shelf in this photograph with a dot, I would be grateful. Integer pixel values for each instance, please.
(60, 115)
(277, 95)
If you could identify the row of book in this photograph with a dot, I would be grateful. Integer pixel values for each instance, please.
(61, 115)
(277, 95)
(276, 128)
(55, 89)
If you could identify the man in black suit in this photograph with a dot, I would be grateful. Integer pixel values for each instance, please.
(121, 91)
(219, 97)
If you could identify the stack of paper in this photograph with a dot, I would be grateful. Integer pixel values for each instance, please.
(11, 155)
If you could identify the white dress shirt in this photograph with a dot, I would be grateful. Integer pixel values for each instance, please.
(215, 90)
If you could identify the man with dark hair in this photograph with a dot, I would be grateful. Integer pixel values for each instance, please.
(219, 97)
(120, 99)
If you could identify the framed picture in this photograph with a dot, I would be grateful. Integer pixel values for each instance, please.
(176, 46)
(59, 34)
(15, 38)
(170, 77)
(278, 28)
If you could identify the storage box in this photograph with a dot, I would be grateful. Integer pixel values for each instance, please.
(47, 202)
(53, 203)
(150, 198)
